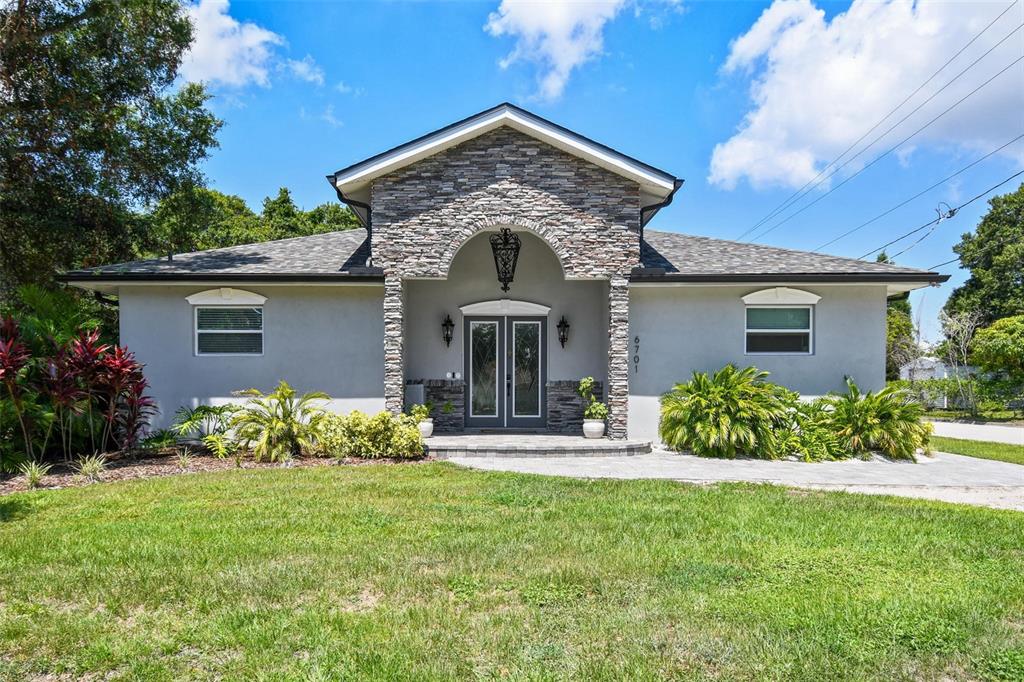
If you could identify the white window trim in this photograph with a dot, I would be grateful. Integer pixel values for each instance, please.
(195, 333)
(810, 331)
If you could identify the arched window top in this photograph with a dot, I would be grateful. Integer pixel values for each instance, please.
(505, 306)
(781, 296)
(226, 296)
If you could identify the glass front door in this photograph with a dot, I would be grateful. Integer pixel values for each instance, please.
(505, 371)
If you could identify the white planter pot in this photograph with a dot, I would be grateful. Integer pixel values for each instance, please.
(427, 428)
(593, 428)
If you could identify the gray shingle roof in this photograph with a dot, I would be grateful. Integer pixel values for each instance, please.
(328, 255)
(664, 255)
(684, 256)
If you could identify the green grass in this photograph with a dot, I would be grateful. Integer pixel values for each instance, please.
(994, 416)
(434, 572)
(1004, 452)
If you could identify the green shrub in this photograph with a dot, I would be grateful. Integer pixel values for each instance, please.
(730, 412)
(203, 420)
(360, 435)
(278, 425)
(888, 421)
(159, 439)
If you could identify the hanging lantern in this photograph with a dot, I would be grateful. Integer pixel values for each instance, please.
(505, 246)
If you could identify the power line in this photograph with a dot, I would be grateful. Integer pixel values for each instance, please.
(970, 42)
(944, 263)
(918, 195)
(949, 214)
(892, 148)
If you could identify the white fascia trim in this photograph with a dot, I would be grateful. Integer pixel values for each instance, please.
(781, 296)
(226, 296)
(471, 129)
(505, 306)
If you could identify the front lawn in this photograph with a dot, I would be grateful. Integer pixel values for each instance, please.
(1004, 452)
(435, 572)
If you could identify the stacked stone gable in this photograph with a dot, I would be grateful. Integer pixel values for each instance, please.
(424, 212)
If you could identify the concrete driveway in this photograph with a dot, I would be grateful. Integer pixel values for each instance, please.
(945, 477)
(993, 433)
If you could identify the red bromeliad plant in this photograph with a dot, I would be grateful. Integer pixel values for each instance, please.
(14, 358)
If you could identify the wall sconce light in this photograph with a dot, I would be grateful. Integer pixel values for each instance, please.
(447, 327)
(563, 331)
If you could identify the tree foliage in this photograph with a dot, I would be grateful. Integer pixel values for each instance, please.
(994, 254)
(198, 218)
(1000, 348)
(92, 127)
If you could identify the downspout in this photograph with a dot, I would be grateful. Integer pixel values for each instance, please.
(647, 212)
(368, 223)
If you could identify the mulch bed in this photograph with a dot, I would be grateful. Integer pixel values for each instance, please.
(165, 463)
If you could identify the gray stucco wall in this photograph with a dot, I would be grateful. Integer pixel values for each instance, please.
(317, 338)
(538, 279)
(684, 329)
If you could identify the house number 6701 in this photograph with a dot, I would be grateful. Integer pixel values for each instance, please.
(636, 354)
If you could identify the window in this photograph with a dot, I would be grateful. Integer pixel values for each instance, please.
(229, 330)
(779, 330)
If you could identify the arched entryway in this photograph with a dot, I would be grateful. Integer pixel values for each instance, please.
(527, 371)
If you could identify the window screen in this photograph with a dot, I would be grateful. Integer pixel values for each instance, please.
(779, 330)
(229, 331)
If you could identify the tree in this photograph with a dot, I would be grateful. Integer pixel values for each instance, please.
(92, 127)
(958, 330)
(197, 218)
(901, 340)
(901, 344)
(999, 348)
(995, 256)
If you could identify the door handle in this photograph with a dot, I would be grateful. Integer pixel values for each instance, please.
(508, 385)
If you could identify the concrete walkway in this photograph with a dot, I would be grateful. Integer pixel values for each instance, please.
(993, 433)
(945, 477)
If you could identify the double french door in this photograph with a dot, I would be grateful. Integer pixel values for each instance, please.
(506, 368)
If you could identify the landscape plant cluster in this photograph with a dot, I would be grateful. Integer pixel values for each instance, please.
(66, 395)
(282, 425)
(738, 412)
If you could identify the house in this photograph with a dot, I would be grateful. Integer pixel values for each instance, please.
(503, 257)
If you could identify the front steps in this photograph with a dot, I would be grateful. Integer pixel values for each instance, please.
(444, 446)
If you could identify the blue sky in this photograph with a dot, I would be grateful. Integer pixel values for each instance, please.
(746, 101)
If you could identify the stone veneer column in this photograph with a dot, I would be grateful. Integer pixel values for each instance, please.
(394, 363)
(618, 356)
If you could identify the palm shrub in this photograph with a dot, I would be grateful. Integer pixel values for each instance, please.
(730, 412)
(203, 420)
(888, 421)
(278, 425)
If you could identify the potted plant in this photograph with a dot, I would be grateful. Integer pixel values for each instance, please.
(421, 413)
(594, 411)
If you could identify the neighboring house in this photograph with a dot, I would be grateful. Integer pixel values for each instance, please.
(414, 299)
(925, 367)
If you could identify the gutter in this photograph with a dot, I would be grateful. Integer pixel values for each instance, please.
(642, 275)
(368, 221)
(648, 212)
(366, 274)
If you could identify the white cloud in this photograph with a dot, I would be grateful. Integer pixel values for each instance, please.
(558, 35)
(225, 51)
(329, 117)
(306, 69)
(346, 89)
(818, 85)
